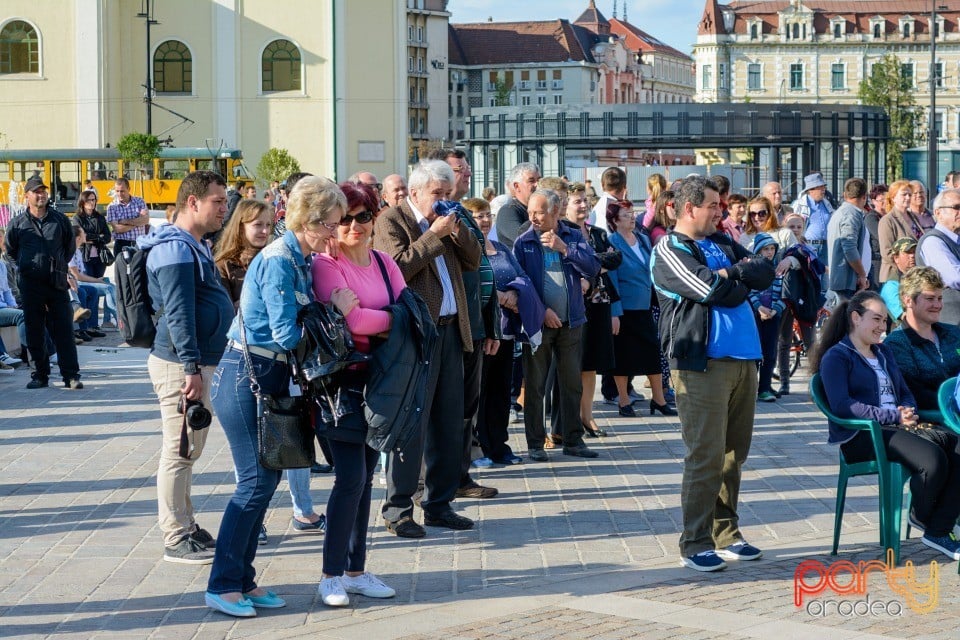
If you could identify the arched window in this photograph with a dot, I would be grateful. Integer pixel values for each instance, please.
(172, 68)
(19, 48)
(281, 67)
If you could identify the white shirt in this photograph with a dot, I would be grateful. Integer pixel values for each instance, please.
(449, 305)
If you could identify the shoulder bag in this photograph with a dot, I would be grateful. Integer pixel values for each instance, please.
(284, 429)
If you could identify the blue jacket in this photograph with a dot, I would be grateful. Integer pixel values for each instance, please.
(632, 279)
(580, 262)
(278, 283)
(852, 389)
(184, 284)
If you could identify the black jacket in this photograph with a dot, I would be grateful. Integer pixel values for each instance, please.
(687, 288)
(396, 389)
(96, 229)
(41, 260)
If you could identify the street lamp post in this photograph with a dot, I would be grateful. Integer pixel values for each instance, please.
(932, 178)
(146, 12)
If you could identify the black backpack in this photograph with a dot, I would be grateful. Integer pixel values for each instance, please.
(801, 290)
(136, 318)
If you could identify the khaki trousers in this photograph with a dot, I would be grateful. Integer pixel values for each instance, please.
(175, 474)
(716, 421)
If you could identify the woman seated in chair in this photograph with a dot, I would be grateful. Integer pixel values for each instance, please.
(862, 380)
(927, 351)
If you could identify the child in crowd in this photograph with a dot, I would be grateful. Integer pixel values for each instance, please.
(768, 307)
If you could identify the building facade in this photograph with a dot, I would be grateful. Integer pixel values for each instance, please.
(426, 70)
(222, 72)
(591, 60)
(819, 51)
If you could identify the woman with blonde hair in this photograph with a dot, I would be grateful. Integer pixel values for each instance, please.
(899, 222)
(656, 184)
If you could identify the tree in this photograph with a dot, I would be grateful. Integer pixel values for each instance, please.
(890, 89)
(276, 164)
(139, 148)
(502, 89)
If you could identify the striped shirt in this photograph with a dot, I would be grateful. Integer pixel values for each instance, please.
(118, 212)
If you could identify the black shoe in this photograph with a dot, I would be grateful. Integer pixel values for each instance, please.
(784, 390)
(38, 383)
(580, 451)
(537, 455)
(83, 335)
(319, 525)
(662, 408)
(405, 528)
(627, 411)
(96, 333)
(203, 536)
(593, 430)
(475, 490)
(450, 520)
(72, 383)
(319, 467)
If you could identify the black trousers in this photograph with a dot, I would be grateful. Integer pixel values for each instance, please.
(46, 309)
(494, 415)
(440, 446)
(563, 346)
(934, 473)
(472, 373)
(348, 507)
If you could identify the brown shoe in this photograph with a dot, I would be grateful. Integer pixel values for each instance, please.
(80, 314)
(474, 490)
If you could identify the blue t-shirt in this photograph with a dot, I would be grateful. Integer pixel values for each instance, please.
(733, 331)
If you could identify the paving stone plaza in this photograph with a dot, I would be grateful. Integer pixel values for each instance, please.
(569, 549)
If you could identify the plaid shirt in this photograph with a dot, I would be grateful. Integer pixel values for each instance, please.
(118, 212)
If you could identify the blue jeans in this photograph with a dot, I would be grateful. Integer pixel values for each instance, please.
(299, 481)
(89, 299)
(9, 317)
(348, 509)
(236, 410)
(109, 294)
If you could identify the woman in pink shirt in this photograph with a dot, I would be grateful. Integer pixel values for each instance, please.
(355, 268)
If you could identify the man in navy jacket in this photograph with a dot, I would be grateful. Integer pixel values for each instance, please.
(555, 257)
(195, 313)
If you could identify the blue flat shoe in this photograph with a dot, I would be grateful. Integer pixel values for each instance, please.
(268, 601)
(243, 608)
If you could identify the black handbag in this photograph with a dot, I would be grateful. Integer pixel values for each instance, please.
(326, 347)
(284, 428)
(106, 255)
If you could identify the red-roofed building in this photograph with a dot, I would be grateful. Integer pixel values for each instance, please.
(815, 51)
(591, 60)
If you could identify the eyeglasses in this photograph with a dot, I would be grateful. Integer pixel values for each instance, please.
(483, 215)
(763, 213)
(329, 226)
(671, 205)
(955, 207)
(362, 218)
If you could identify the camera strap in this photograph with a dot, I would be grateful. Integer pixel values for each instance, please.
(186, 447)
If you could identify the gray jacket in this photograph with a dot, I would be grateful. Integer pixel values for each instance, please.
(846, 236)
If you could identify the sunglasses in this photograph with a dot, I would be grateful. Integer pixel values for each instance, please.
(763, 213)
(362, 218)
(955, 207)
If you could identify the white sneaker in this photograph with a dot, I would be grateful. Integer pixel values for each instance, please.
(5, 368)
(515, 416)
(8, 359)
(367, 585)
(332, 593)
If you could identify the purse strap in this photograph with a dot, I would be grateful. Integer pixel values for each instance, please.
(383, 272)
(254, 385)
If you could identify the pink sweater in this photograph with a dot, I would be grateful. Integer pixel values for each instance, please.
(367, 318)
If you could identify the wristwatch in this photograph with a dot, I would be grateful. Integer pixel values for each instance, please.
(191, 368)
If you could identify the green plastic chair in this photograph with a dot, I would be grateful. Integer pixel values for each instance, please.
(891, 476)
(948, 408)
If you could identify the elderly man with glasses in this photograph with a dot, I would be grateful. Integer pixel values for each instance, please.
(939, 249)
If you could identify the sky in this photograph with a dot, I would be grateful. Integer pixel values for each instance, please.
(672, 21)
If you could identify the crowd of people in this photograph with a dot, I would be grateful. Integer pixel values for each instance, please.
(528, 297)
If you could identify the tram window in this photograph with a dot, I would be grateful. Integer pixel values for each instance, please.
(66, 180)
(23, 171)
(174, 169)
(218, 165)
(101, 170)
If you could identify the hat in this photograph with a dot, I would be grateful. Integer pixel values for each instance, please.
(902, 245)
(762, 240)
(813, 181)
(34, 183)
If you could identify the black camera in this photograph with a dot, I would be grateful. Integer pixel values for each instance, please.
(198, 416)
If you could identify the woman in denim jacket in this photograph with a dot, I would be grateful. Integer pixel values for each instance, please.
(862, 380)
(278, 283)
